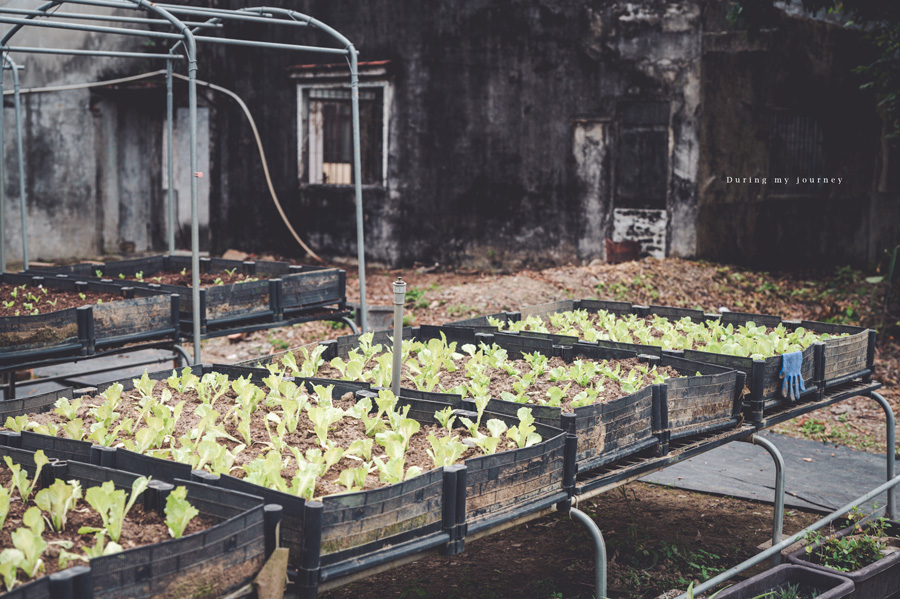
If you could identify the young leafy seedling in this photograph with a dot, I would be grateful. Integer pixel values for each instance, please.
(179, 512)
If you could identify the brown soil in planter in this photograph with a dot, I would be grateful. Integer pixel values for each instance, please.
(502, 381)
(207, 279)
(140, 528)
(344, 432)
(63, 299)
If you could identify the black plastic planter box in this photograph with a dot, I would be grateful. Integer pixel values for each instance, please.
(880, 580)
(284, 291)
(610, 431)
(825, 364)
(350, 532)
(146, 315)
(648, 418)
(207, 563)
(828, 586)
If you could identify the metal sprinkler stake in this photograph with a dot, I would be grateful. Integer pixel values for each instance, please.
(399, 300)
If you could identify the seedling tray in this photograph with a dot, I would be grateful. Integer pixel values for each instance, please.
(211, 562)
(825, 364)
(345, 533)
(879, 580)
(284, 291)
(146, 315)
(612, 430)
(647, 419)
(827, 586)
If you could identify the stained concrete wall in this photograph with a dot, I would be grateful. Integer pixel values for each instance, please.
(81, 155)
(485, 166)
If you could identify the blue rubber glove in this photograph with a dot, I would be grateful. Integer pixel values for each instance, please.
(792, 381)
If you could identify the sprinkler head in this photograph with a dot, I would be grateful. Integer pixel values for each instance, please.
(399, 292)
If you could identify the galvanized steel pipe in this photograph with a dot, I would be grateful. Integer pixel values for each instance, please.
(23, 208)
(778, 521)
(399, 300)
(891, 450)
(600, 551)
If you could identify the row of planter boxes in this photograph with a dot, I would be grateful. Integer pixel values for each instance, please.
(283, 291)
(343, 534)
(207, 563)
(645, 420)
(351, 532)
(145, 315)
(826, 364)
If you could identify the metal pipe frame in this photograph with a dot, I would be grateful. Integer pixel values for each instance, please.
(776, 549)
(68, 52)
(186, 38)
(8, 61)
(778, 521)
(90, 17)
(599, 550)
(353, 60)
(891, 450)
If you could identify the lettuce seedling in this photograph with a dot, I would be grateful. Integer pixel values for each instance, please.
(144, 385)
(20, 477)
(110, 503)
(57, 500)
(113, 395)
(100, 548)
(74, 429)
(10, 561)
(179, 512)
(445, 451)
(310, 364)
(392, 471)
(360, 447)
(354, 479)
(28, 540)
(524, 433)
(266, 471)
(350, 370)
(322, 419)
(304, 482)
(18, 424)
(67, 409)
(446, 417)
(4, 504)
(188, 380)
(211, 387)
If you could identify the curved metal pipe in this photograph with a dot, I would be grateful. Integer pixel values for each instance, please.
(599, 555)
(891, 450)
(778, 522)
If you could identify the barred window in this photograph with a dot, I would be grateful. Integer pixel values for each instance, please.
(796, 149)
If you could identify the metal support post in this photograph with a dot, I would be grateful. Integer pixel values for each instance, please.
(21, 156)
(195, 203)
(2, 179)
(778, 522)
(170, 191)
(889, 418)
(357, 186)
(399, 300)
(599, 555)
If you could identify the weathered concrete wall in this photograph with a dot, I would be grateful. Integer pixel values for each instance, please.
(485, 166)
(64, 150)
(804, 68)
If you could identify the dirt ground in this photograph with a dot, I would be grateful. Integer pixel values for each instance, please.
(657, 538)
